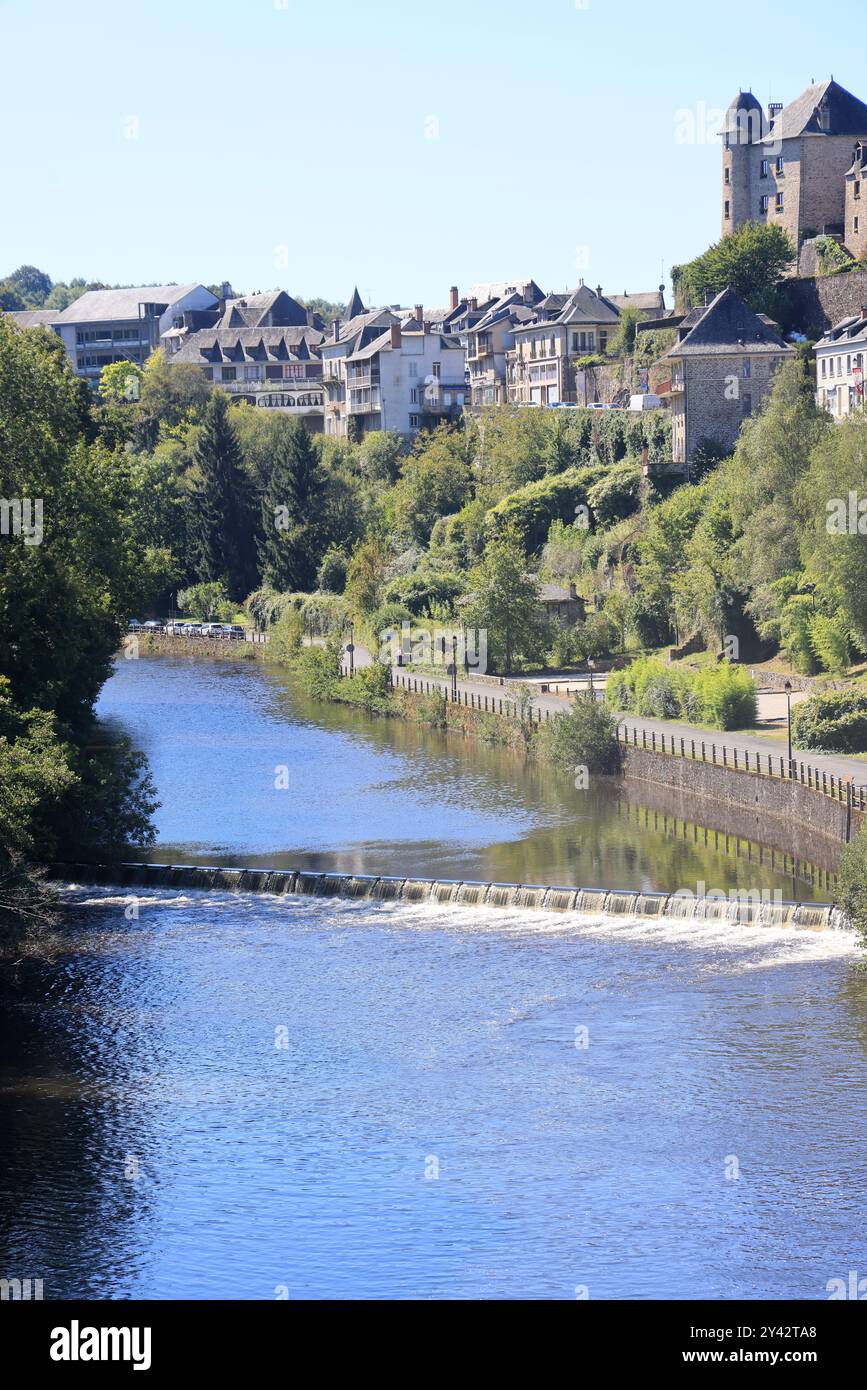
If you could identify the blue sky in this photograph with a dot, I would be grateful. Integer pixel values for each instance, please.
(403, 146)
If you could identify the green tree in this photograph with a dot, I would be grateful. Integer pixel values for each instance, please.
(290, 544)
(222, 521)
(505, 601)
(751, 260)
(120, 383)
(32, 284)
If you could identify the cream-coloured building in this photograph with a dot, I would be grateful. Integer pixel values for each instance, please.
(841, 356)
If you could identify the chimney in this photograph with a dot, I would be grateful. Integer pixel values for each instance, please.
(453, 297)
(335, 330)
(474, 304)
(419, 313)
(573, 592)
(426, 324)
(598, 291)
(709, 296)
(395, 335)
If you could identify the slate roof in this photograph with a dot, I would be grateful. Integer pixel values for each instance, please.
(33, 318)
(848, 330)
(582, 305)
(254, 310)
(355, 306)
(848, 115)
(727, 326)
(294, 344)
(103, 306)
(653, 299)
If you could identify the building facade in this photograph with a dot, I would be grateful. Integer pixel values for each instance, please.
(105, 326)
(385, 369)
(789, 167)
(840, 360)
(541, 366)
(261, 349)
(722, 366)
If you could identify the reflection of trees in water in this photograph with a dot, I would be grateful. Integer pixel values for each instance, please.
(596, 840)
(70, 1116)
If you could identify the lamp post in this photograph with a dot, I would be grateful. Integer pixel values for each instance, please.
(788, 689)
(351, 649)
(454, 667)
(590, 667)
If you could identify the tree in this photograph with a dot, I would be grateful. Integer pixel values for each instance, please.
(505, 601)
(11, 300)
(32, 284)
(222, 525)
(834, 535)
(366, 576)
(207, 602)
(435, 481)
(120, 383)
(751, 260)
(290, 544)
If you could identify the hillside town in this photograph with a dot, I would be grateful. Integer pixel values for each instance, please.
(797, 168)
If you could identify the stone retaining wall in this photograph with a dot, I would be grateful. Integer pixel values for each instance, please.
(788, 803)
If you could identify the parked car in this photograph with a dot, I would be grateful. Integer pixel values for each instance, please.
(133, 625)
(192, 629)
(236, 631)
(152, 626)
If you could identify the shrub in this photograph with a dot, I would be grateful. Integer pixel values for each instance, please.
(370, 688)
(319, 669)
(419, 592)
(331, 575)
(852, 884)
(830, 641)
(835, 721)
(584, 737)
(722, 696)
(286, 637)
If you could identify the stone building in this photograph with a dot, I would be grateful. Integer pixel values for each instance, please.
(789, 167)
(722, 365)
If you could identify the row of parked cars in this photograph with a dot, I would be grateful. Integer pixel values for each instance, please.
(230, 631)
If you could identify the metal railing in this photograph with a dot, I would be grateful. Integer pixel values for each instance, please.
(779, 768)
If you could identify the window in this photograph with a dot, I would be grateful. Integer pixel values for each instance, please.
(779, 204)
(728, 175)
(229, 374)
(781, 164)
(765, 168)
(413, 396)
(764, 202)
(413, 369)
(855, 225)
(437, 370)
(857, 188)
(414, 422)
(252, 373)
(747, 368)
(728, 212)
(824, 367)
(603, 339)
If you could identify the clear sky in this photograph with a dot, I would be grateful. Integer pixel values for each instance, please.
(400, 145)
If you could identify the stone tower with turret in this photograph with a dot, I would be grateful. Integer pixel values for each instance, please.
(743, 127)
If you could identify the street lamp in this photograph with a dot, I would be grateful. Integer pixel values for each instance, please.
(454, 667)
(351, 649)
(788, 689)
(591, 667)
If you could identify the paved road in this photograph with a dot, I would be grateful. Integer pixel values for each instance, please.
(771, 706)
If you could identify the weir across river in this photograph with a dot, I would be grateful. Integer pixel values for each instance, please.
(737, 906)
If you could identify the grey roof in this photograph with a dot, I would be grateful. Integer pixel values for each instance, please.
(726, 326)
(848, 115)
(249, 345)
(554, 593)
(652, 299)
(488, 291)
(275, 309)
(33, 318)
(355, 306)
(848, 330)
(582, 305)
(102, 306)
(371, 318)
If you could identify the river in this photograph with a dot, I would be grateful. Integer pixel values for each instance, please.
(217, 1095)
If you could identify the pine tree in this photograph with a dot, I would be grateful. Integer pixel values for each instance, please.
(222, 523)
(291, 540)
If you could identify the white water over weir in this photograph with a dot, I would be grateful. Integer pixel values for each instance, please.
(753, 909)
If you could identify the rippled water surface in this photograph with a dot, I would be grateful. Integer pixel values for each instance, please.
(207, 1094)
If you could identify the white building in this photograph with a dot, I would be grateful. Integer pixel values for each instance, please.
(105, 326)
(840, 361)
(382, 371)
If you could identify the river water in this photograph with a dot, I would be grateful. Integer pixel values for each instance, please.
(207, 1094)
